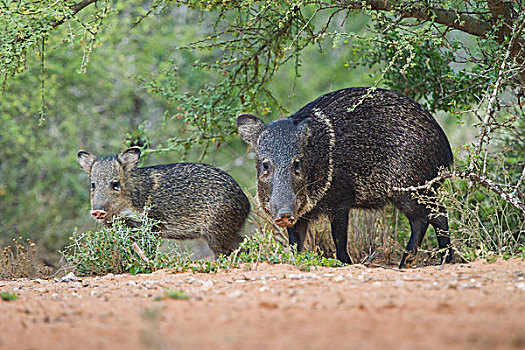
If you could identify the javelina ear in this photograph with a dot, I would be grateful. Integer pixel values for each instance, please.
(86, 160)
(250, 127)
(129, 158)
(304, 128)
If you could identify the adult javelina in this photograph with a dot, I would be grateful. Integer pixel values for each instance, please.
(349, 149)
(190, 200)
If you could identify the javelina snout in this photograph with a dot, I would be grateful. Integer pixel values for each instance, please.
(285, 218)
(283, 206)
(98, 213)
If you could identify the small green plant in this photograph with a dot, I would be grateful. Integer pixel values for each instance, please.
(122, 248)
(521, 252)
(263, 247)
(8, 296)
(173, 294)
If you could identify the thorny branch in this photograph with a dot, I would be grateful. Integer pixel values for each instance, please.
(461, 21)
(485, 128)
(474, 177)
(76, 8)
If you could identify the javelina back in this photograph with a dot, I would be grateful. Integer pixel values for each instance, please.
(191, 200)
(349, 149)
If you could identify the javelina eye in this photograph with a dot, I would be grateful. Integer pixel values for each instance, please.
(92, 186)
(115, 185)
(265, 166)
(297, 166)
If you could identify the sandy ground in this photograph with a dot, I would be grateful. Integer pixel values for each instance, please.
(465, 306)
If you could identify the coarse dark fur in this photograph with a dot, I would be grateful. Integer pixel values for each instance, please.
(191, 200)
(349, 149)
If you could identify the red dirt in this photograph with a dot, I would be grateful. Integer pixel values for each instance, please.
(465, 306)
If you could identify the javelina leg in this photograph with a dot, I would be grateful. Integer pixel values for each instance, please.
(297, 234)
(223, 245)
(339, 223)
(440, 224)
(418, 227)
(216, 247)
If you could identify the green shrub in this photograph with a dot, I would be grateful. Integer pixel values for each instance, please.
(111, 250)
(120, 248)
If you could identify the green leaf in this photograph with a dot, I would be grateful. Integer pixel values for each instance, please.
(8, 296)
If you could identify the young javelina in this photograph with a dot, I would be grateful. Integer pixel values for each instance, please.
(190, 200)
(349, 149)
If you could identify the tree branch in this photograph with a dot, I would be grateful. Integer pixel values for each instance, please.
(74, 10)
(511, 198)
(453, 19)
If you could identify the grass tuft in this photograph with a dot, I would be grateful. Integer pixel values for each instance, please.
(173, 294)
(22, 261)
